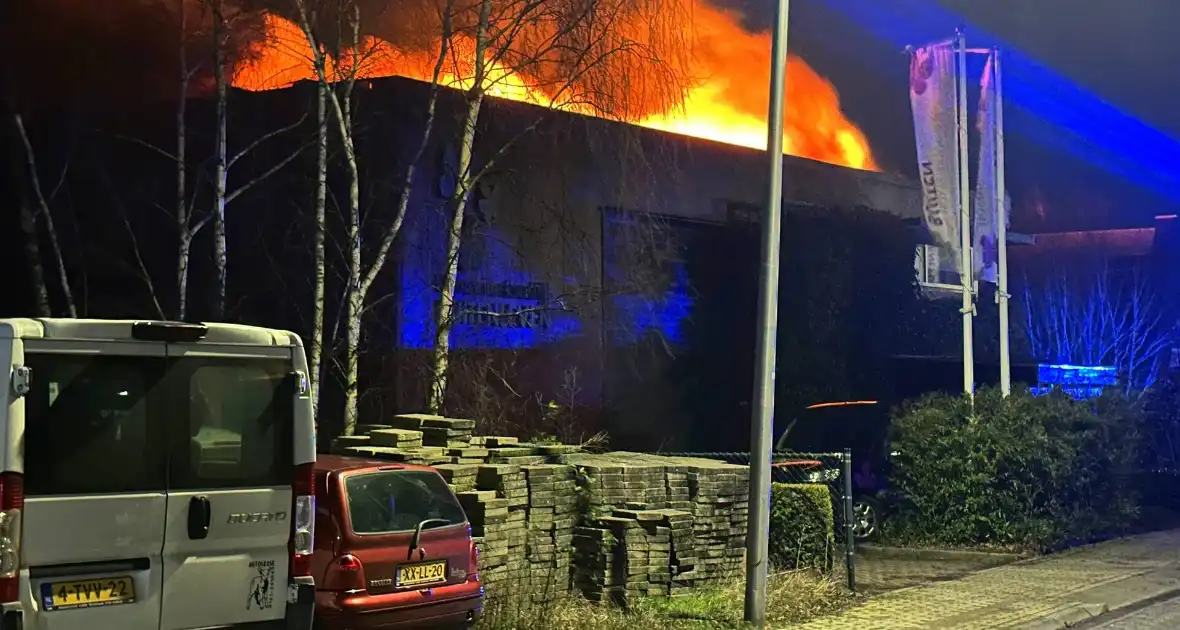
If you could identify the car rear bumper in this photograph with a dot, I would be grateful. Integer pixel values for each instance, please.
(455, 607)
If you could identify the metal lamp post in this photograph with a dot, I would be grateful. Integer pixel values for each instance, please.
(762, 421)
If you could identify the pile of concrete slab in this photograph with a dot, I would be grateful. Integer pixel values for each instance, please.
(549, 520)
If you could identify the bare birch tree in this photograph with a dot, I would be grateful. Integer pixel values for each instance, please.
(40, 210)
(582, 56)
(230, 23)
(1100, 317)
(210, 35)
(337, 76)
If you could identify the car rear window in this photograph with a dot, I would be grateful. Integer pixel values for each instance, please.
(388, 501)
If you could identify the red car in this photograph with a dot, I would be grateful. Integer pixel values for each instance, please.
(393, 549)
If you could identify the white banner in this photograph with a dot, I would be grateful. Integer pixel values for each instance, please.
(932, 98)
(986, 204)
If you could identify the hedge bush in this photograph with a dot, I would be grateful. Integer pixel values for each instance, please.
(1038, 472)
(802, 530)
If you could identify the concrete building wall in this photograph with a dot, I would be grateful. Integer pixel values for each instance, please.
(537, 218)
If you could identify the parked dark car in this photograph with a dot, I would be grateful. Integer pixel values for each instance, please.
(831, 427)
(393, 549)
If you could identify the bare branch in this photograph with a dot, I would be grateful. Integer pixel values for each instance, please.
(43, 209)
(141, 266)
(265, 174)
(267, 136)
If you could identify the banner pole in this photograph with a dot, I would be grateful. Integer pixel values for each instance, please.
(966, 260)
(1001, 231)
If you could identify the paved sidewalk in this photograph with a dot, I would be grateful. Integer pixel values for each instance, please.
(1039, 594)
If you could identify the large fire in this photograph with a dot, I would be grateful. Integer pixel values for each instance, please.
(727, 103)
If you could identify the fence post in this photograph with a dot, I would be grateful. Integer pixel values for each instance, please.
(849, 538)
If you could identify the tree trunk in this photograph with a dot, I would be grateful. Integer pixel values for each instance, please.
(183, 229)
(355, 294)
(221, 167)
(184, 252)
(28, 225)
(34, 182)
(457, 206)
(316, 345)
(355, 299)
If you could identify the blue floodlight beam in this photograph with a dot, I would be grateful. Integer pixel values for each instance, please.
(1100, 133)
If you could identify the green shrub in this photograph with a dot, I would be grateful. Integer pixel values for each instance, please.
(802, 531)
(1037, 472)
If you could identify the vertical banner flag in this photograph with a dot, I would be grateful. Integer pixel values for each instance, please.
(986, 202)
(933, 100)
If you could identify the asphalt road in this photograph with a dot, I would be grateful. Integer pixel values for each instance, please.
(1162, 616)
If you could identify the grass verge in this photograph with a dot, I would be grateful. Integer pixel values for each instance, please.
(792, 597)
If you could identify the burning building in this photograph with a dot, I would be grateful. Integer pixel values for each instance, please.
(576, 235)
(574, 240)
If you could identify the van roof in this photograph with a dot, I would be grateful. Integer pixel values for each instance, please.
(120, 330)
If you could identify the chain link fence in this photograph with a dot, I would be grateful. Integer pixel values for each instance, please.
(833, 470)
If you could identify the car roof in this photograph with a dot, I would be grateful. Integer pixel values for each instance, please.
(348, 463)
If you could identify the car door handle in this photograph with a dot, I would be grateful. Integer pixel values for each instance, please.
(200, 512)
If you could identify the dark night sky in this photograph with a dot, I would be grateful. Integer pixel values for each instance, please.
(1122, 51)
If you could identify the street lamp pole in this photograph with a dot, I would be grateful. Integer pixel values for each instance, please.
(762, 421)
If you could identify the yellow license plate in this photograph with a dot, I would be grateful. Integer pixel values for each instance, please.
(419, 574)
(87, 593)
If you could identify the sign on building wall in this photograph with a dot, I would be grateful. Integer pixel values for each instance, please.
(499, 302)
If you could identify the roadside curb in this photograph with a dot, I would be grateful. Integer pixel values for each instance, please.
(934, 555)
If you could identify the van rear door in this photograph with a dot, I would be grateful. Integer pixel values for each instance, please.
(95, 483)
(225, 551)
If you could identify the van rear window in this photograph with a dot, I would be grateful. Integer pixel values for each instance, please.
(239, 428)
(88, 425)
(389, 501)
(100, 424)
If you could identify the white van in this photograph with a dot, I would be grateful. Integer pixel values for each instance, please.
(154, 476)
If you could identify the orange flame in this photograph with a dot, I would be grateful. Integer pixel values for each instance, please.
(728, 104)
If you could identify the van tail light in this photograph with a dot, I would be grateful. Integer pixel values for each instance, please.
(345, 573)
(473, 563)
(303, 522)
(12, 503)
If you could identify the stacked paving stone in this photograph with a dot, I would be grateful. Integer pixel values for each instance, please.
(545, 517)
(507, 483)
(706, 497)
(551, 514)
(720, 498)
(630, 554)
(488, 516)
(460, 477)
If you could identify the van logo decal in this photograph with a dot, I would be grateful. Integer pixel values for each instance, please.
(256, 517)
(261, 595)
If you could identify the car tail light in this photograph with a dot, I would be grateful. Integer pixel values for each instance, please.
(473, 563)
(303, 522)
(12, 503)
(346, 573)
